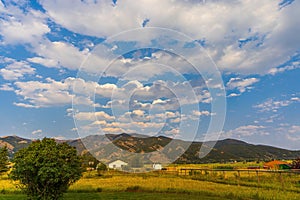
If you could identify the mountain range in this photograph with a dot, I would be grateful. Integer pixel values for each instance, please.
(116, 146)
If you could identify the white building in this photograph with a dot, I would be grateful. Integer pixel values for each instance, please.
(157, 166)
(118, 164)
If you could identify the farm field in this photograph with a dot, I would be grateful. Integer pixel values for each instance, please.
(208, 184)
(118, 195)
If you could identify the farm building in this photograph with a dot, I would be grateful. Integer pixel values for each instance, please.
(276, 164)
(157, 166)
(118, 164)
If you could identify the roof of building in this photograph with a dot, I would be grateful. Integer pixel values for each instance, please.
(118, 161)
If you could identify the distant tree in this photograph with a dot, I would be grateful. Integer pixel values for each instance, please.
(296, 164)
(45, 169)
(4, 161)
(89, 161)
(101, 168)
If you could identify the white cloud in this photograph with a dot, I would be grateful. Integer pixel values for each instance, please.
(297, 99)
(108, 130)
(118, 125)
(92, 116)
(6, 87)
(44, 61)
(52, 93)
(176, 120)
(199, 113)
(274, 105)
(240, 84)
(233, 95)
(294, 129)
(59, 54)
(15, 70)
(18, 26)
(274, 71)
(174, 131)
(291, 133)
(246, 43)
(37, 132)
(133, 93)
(246, 131)
(138, 112)
(25, 105)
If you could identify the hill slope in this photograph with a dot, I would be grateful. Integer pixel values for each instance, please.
(223, 150)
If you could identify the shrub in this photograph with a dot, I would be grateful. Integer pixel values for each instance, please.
(46, 169)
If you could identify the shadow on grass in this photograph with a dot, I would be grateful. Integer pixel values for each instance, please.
(118, 196)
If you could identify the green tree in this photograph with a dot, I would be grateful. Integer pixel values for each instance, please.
(45, 169)
(3, 159)
(88, 160)
(101, 168)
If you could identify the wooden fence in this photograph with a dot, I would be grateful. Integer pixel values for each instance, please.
(256, 174)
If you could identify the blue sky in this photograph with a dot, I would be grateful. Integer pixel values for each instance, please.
(73, 68)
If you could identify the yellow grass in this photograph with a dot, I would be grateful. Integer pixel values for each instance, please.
(177, 184)
(213, 183)
(7, 185)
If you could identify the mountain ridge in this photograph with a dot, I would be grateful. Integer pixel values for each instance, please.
(224, 150)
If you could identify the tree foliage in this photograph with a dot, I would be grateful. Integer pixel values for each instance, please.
(89, 161)
(296, 164)
(45, 169)
(101, 168)
(4, 161)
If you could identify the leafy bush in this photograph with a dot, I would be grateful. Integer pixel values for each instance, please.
(45, 169)
(133, 188)
(3, 159)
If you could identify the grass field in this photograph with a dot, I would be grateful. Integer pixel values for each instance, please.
(119, 196)
(209, 185)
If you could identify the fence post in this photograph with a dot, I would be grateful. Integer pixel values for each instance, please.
(257, 178)
(239, 175)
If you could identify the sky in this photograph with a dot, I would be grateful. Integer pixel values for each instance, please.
(192, 70)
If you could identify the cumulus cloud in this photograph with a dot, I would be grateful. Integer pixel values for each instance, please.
(241, 85)
(246, 131)
(6, 87)
(17, 26)
(91, 116)
(58, 54)
(15, 70)
(199, 113)
(244, 44)
(274, 105)
(160, 95)
(50, 93)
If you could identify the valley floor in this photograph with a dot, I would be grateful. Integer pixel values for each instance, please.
(209, 185)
